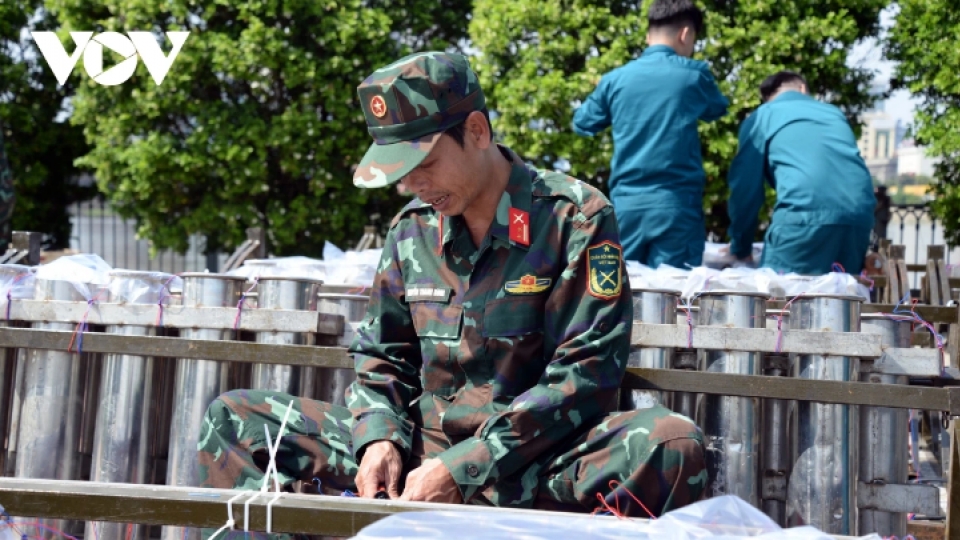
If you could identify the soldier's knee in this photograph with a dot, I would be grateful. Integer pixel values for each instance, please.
(688, 457)
(678, 441)
(224, 404)
(690, 452)
(659, 423)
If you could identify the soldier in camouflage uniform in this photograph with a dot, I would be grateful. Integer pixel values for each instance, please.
(7, 198)
(495, 342)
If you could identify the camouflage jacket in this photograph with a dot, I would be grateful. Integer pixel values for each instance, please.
(508, 348)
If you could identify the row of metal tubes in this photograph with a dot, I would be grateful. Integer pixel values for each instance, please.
(185, 394)
(799, 462)
(132, 419)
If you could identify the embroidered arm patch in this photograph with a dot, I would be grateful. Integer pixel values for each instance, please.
(604, 270)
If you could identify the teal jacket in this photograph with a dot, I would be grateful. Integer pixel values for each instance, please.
(654, 104)
(807, 151)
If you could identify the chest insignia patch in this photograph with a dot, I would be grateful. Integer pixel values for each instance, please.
(427, 294)
(528, 284)
(604, 270)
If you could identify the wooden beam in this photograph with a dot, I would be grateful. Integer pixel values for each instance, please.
(197, 507)
(933, 314)
(757, 339)
(913, 498)
(229, 351)
(207, 508)
(252, 319)
(937, 282)
(850, 393)
(907, 361)
(336, 357)
(953, 338)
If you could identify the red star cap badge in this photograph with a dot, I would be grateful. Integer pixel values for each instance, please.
(378, 106)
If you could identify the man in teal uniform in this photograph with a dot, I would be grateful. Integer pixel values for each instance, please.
(496, 338)
(807, 151)
(654, 104)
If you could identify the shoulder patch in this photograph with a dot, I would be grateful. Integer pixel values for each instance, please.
(588, 199)
(604, 270)
(412, 206)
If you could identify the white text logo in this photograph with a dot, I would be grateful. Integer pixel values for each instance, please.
(91, 47)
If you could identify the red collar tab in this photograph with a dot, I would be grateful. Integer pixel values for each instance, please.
(519, 226)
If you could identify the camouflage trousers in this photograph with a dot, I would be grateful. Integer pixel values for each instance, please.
(656, 455)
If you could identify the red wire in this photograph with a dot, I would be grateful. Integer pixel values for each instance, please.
(163, 297)
(616, 511)
(783, 312)
(243, 298)
(38, 525)
(10, 291)
(82, 325)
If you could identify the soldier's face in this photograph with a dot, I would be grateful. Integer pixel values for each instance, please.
(448, 178)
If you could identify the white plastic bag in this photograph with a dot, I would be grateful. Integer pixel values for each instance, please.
(702, 278)
(16, 282)
(501, 525)
(338, 267)
(332, 252)
(698, 281)
(720, 518)
(729, 518)
(664, 277)
(290, 267)
(350, 267)
(84, 271)
(142, 287)
(832, 283)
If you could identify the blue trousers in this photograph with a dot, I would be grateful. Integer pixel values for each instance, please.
(813, 249)
(669, 234)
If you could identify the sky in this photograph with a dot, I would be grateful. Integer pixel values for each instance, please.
(870, 55)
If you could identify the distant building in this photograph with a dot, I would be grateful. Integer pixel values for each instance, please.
(912, 160)
(901, 132)
(878, 144)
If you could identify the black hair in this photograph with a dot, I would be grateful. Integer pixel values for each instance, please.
(675, 14)
(773, 83)
(457, 132)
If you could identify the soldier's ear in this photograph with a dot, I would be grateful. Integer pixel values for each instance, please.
(477, 130)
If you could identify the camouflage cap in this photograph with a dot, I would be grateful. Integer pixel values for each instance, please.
(408, 105)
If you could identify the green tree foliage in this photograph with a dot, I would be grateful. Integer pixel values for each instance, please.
(923, 43)
(41, 146)
(540, 57)
(428, 24)
(256, 124)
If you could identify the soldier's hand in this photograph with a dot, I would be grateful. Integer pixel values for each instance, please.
(381, 466)
(432, 482)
